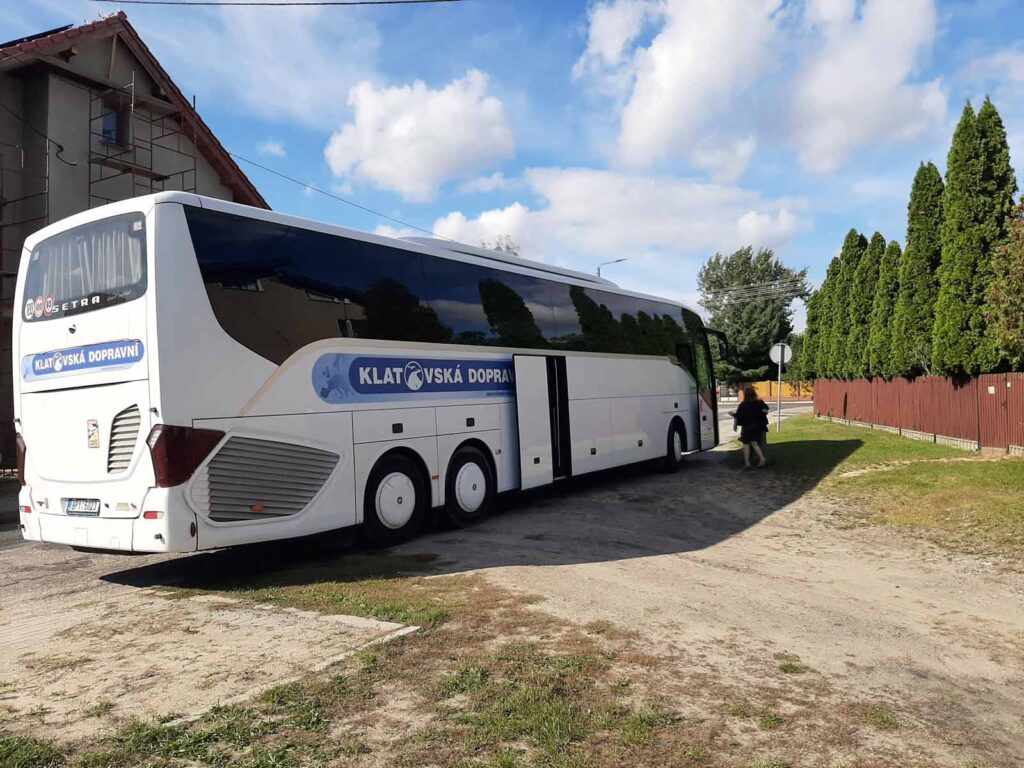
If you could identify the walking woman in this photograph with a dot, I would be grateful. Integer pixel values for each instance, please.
(751, 419)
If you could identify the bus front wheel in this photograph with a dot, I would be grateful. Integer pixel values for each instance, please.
(395, 502)
(676, 446)
(469, 489)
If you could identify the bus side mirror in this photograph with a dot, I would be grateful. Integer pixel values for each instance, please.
(724, 350)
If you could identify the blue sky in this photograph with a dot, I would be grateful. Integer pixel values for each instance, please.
(658, 130)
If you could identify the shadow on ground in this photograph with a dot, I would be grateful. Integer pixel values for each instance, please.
(616, 515)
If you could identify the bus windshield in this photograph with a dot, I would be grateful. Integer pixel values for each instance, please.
(89, 267)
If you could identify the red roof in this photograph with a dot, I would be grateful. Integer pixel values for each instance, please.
(26, 50)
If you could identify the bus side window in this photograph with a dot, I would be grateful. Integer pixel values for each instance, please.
(684, 357)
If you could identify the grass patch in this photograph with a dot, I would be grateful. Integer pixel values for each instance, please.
(961, 500)
(769, 721)
(880, 718)
(696, 754)
(377, 587)
(25, 752)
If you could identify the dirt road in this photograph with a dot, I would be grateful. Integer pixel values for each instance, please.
(748, 588)
(79, 648)
(724, 573)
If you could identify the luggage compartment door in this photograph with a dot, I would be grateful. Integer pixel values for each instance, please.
(533, 415)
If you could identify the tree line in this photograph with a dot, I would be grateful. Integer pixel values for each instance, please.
(952, 301)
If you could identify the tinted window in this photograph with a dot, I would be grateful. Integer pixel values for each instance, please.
(489, 306)
(89, 267)
(275, 288)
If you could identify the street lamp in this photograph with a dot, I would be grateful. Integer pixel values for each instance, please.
(606, 263)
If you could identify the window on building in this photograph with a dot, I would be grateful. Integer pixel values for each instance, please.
(114, 123)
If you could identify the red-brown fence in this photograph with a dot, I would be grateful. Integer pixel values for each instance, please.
(981, 412)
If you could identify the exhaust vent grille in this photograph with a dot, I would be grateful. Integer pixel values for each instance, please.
(250, 479)
(124, 431)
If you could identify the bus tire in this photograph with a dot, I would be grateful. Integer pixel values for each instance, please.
(395, 502)
(469, 487)
(675, 447)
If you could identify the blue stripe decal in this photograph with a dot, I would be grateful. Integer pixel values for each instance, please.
(342, 378)
(108, 356)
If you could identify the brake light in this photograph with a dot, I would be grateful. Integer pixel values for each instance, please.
(21, 452)
(178, 451)
(151, 515)
(26, 510)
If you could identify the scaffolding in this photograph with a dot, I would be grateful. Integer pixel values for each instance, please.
(24, 208)
(137, 146)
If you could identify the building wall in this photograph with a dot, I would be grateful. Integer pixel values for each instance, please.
(68, 110)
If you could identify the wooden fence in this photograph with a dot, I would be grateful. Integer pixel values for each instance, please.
(974, 413)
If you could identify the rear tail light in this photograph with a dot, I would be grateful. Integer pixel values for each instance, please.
(20, 452)
(26, 510)
(178, 451)
(150, 515)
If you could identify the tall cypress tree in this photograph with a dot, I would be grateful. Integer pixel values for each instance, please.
(880, 341)
(959, 311)
(1000, 185)
(861, 297)
(819, 324)
(854, 246)
(809, 347)
(979, 197)
(914, 317)
(1006, 296)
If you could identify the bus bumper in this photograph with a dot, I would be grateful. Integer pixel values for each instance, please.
(174, 530)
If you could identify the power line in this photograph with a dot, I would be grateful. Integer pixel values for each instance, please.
(27, 124)
(277, 3)
(339, 198)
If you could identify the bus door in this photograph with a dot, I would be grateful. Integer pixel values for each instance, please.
(706, 399)
(542, 413)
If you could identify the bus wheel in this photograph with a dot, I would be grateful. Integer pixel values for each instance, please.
(395, 502)
(676, 446)
(469, 489)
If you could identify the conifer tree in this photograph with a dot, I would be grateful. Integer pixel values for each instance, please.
(880, 340)
(979, 195)
(861, 298)
(808, 358)
(838, 311)
(819, 313)
(1000, 190)
(914, 317)
(959, 320)
(1006, 296)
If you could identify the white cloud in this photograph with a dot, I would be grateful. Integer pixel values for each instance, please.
(856, 89)
(385, 230)
(613, 27)
(1007, 66)
(726, 161)
(272, 147)
(411, 139)
(703, 58)
(294, 65)
(591, 213)
(665, 226)
(493, 182)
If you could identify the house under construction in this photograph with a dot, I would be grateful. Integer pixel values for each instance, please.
(88, 116)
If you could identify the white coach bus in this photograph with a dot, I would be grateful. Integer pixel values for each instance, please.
(191, 374)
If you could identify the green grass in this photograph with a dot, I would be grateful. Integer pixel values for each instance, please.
(769, 721)
(964, 500)
(880, 718)
(24, 752)
(818, 447)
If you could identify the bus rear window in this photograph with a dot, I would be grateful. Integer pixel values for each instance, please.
(89, 267)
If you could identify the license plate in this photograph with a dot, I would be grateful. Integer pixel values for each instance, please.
(83, 506)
